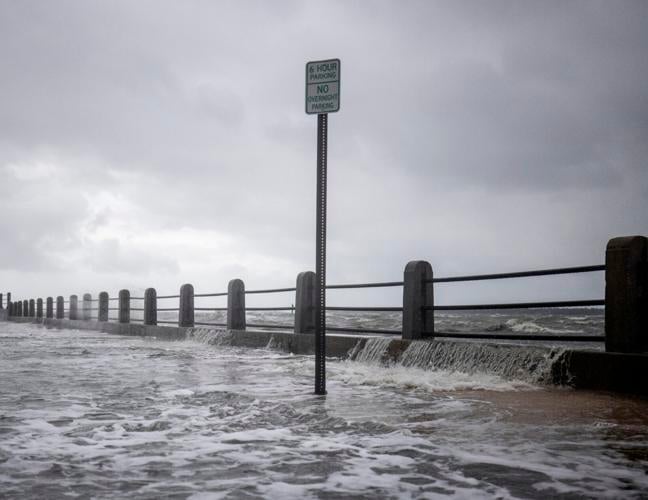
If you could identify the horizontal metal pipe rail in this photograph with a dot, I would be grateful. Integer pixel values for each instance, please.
(520, 274)
(271, 290)
(219, 294)
(366, 285)
(365, 309)
(269, 308)
(519, 305)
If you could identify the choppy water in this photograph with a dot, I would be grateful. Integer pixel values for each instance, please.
(567, 321)
(94, 415)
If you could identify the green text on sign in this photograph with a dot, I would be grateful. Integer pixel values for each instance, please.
(323, 86)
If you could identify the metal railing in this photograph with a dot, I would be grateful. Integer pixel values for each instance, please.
(625, 303)
(517, 305)
(371, 309)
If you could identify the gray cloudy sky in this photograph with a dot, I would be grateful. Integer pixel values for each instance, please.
(154, 143)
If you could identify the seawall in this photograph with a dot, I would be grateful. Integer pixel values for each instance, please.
(581, 369)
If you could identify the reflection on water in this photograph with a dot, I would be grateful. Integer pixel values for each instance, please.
(90, 414)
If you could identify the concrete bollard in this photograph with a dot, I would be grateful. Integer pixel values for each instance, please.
(32, 308)
(9, 298)
(87, 307)
(1, 302)
(18, 308)
(236, 305)
(626, 294)
(39, 308)
(150, 306)
(305, 302)
(25, 306)
(124, 306)
(103, 307)
(60, 307)
(186, 313)
(74, 307)
(10, 308)
(417, 322)
(49, 307)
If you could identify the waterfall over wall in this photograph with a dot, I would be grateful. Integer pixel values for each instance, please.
(520, 362)
(210, 336)
(527, 363)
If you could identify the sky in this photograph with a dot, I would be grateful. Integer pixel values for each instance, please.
(156, 143)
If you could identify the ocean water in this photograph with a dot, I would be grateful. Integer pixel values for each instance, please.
(556, 321)
(90, 415)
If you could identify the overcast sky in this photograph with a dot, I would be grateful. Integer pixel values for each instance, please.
(156, 143)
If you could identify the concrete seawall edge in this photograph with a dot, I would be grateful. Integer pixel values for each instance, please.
(581, 369)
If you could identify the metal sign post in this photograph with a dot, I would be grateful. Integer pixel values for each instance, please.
(322, 97)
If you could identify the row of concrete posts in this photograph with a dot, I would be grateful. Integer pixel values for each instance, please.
(626, 300)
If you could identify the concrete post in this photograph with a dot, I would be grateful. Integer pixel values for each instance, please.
(124, 306)
(236, 305)
(417, 322)
(8, 297)
(49, 307)
(25, 306)
(32, 308)
(74, 307)
(186, 313)
(19, 308)
(60, 307)
(626, 294)
(150, 307)
(305, 301)
(103, 307)
(1, 302)
(87, 307)
(39, 308)
(10, 309)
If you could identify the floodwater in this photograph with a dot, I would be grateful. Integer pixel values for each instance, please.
(86, 414)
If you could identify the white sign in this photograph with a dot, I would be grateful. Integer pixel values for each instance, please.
(323, 86)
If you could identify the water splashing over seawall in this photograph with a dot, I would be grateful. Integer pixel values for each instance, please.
(534, 364)
(210, 336)
(525, 363)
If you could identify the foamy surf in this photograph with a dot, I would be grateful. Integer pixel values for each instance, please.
(136, 418)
